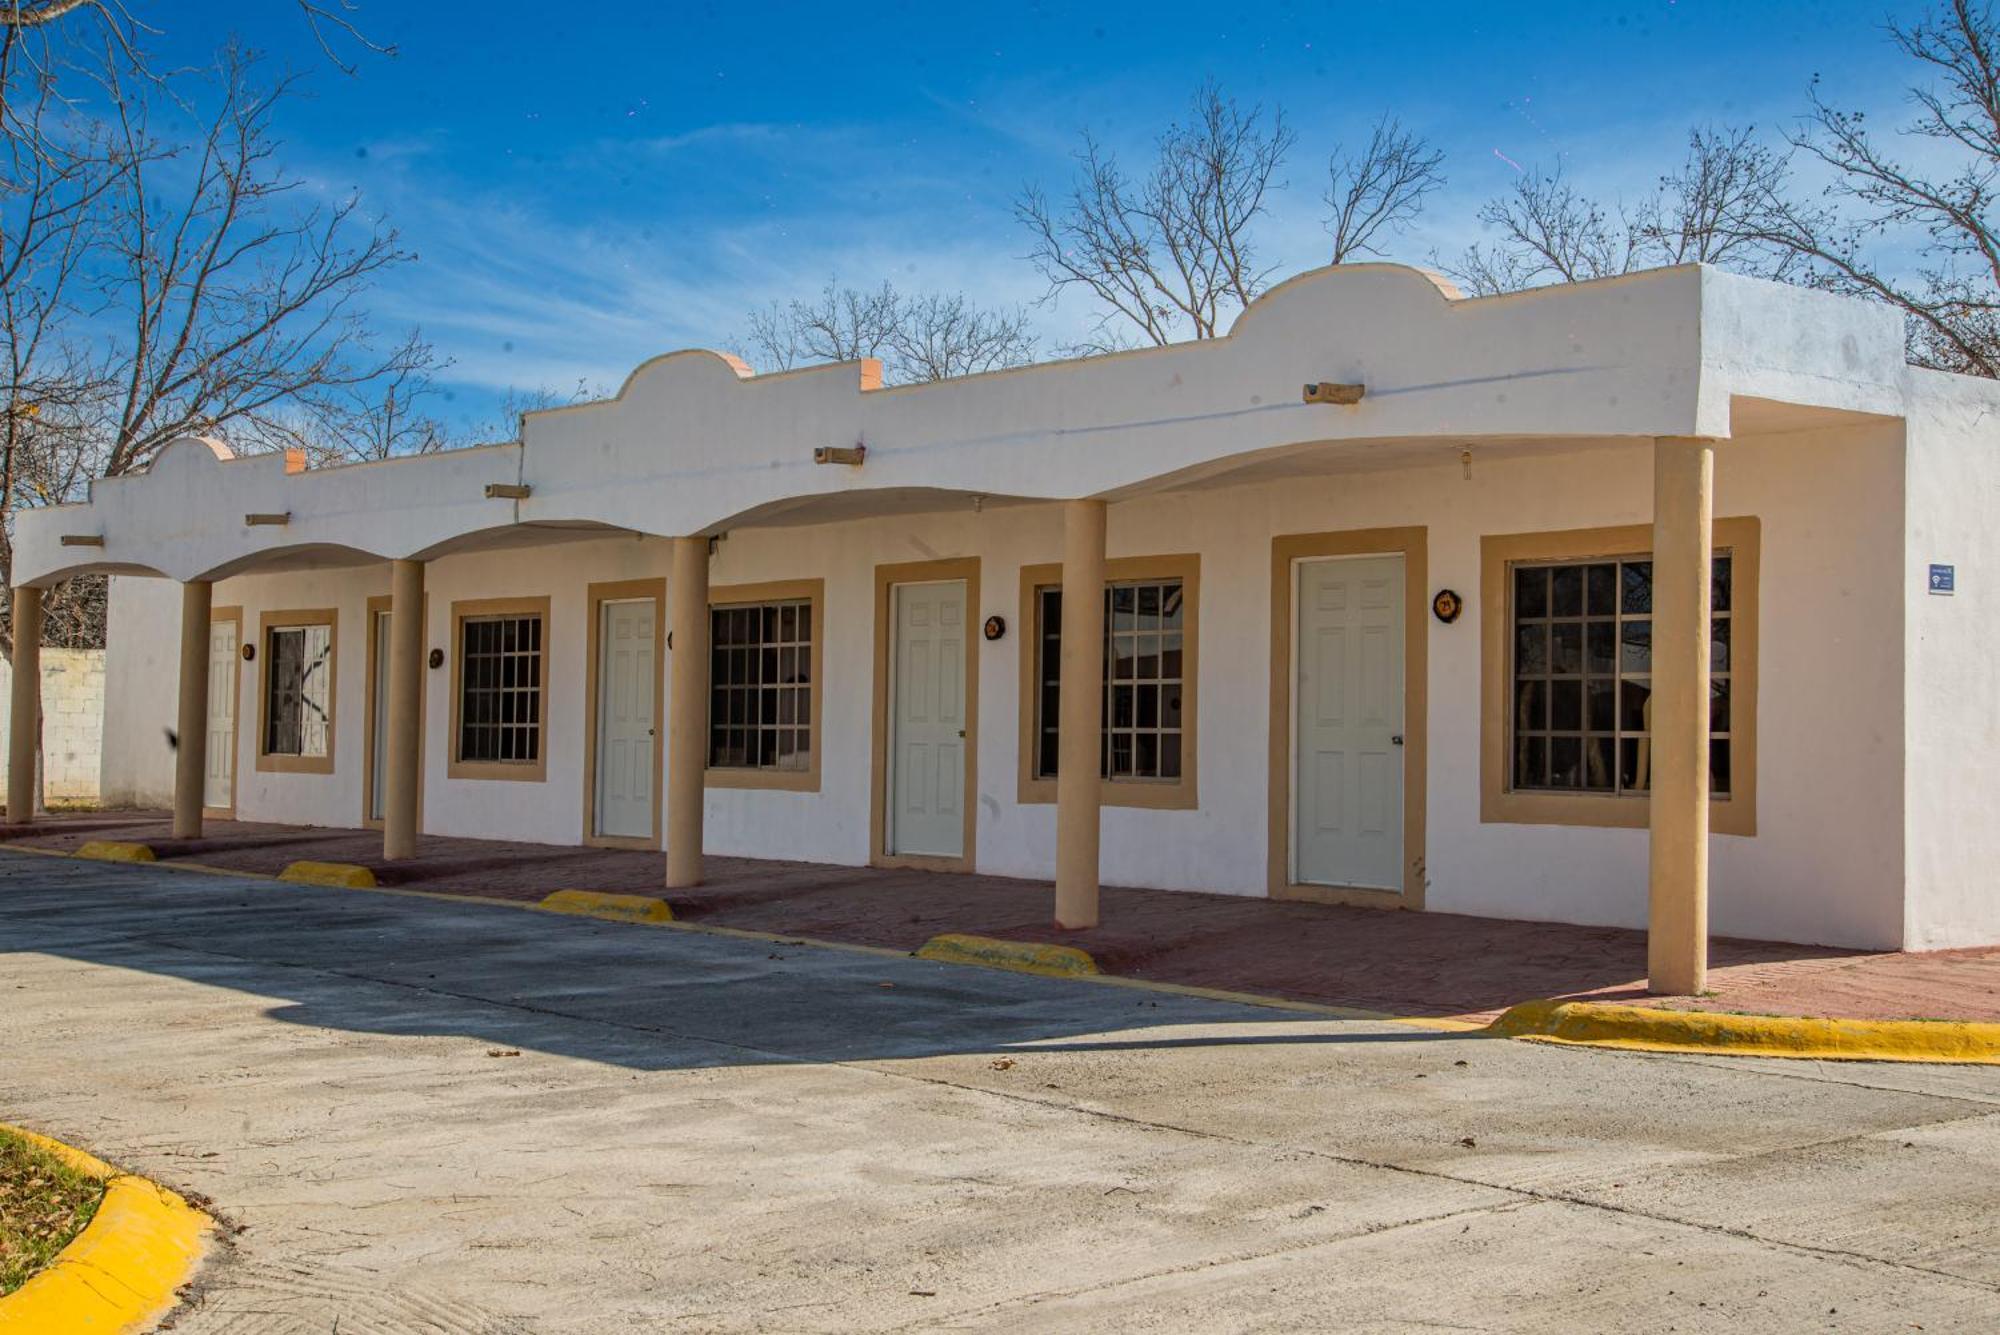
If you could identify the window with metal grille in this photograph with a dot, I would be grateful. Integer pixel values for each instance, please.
(1144, 646)
(760, 705)
(1581, 716)
(298, 670)
(500, 689)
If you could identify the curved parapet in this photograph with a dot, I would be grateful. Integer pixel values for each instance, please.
(693, 442)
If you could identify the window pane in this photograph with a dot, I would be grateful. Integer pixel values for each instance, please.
(1531, 651)
(1718, 587)
(1531, 707)
(1531, 591)
(1718, 766)
(1566, 591)
(1601, 705)
(1566, 706)
(1598, 763)
(1601, 597)
(1635, 755)
(1637, 579)
(1566, 647)
(1637, 637)
(1565, 762)
(1718, 645)
(1632, 712)
(1601, 648)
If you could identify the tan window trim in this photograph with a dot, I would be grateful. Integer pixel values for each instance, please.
(886, 578)
(234, 614)
(383, 603)
(1180, 794)
(1498, 803)
(267, 622)
(519, 771)
(1412, 544)
(777, 591)
(626, 590)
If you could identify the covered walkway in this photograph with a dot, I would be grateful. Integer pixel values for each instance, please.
(1406, 963)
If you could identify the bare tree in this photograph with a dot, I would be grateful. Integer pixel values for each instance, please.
(1169, 255)
(1878, 208)
(930, 337)
(843, 324)
(157, 286)
(1380, 190)
(1711, 209)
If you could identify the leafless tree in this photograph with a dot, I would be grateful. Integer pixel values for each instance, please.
(918, 338)
(1380, 190)
(1171, 254)
(1879, 208)
(1710, 210)
(843, 324)
(159, 282)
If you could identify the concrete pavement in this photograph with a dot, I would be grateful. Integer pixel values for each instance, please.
(430, 1115)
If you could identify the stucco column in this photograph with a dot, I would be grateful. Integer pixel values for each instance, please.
(687, 715)
(1683, 545)
(1080, 723)
(402, 774)
(25, 718)
(191, 751)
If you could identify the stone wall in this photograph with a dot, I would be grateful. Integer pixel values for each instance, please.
(72, 722)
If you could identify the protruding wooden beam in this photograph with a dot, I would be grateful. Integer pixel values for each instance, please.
(268, 520)
(841, 454)
(1325, 391)
(508, 491)
(83, 539)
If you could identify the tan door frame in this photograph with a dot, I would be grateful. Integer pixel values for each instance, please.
(234, 614)
(964, 568)
(620, 591)
(374, 650)
(1286, 552)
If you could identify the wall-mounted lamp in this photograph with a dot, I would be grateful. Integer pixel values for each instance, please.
(436, 659)
(841, 454)
(83, 539)
(270, 521)
(996, 626)
(1325, 391)
(507, 491)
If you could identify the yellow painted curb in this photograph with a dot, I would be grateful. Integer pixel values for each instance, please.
(344, 875)
(601, 904)
(1020, 956)
(112, 850)
(122, 1271)
(1647, 1029)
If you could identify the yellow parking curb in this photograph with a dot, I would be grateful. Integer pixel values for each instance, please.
(1021, 956)
(113, 850)
(342, 875)
(602, 904)
(122, 1271)
(1647, 1029)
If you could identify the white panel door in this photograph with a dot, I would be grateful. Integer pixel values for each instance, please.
(218, 786)
(927, 721)
(626, 727)
(379, 725)
(1348, 705)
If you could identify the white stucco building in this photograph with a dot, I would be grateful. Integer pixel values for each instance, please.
(1283, 708)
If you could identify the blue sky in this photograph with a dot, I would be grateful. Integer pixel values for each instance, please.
(625, 178)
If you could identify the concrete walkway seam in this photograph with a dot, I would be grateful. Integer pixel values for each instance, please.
(113, 850)
(121, 1273)
(603, 904)
(1649, 1029)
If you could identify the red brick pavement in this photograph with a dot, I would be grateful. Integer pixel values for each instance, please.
(1407, 963)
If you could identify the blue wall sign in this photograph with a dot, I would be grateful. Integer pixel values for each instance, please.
(1944, 579)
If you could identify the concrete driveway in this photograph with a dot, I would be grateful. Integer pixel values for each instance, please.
(437, 1116)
